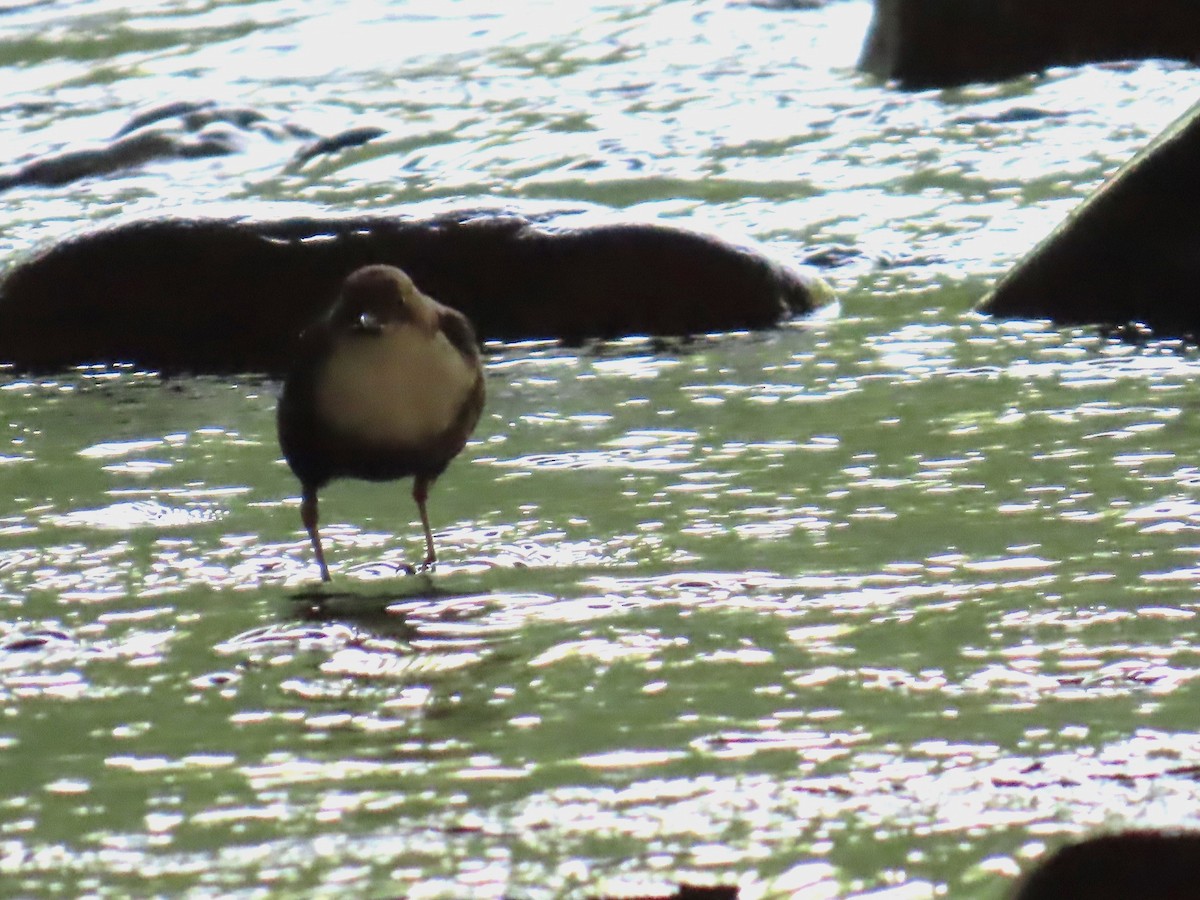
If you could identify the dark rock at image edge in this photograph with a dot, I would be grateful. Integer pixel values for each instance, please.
(230, 295)
(1130, 253)
(943, 43)
(1130, 865)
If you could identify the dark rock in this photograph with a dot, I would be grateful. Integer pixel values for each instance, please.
(940, 43)
(1015, 115)
(787, 5)
(178, 130)
(351, 137)
(172, 110)
(227, 295)
(831, 256)
(1134, 865)
(691, 892)
(1129, 253)
(193, 116)
(126, 152)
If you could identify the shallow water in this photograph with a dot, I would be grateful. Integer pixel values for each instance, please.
(897, 598)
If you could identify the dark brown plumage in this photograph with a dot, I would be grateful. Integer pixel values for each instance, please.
(387, 384)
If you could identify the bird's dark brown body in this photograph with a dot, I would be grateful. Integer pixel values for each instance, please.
(387, 384)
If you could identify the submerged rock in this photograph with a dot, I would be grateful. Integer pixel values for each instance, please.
(940, 43)
(351, 137)
(688, 892)
(128, 151)
(179, 130)
(1129, 253)
(226, 295)
(1132, 865)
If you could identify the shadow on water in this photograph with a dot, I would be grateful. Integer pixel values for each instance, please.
(385, 610)
(345, 641)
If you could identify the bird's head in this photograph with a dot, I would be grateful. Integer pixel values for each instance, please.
(376, 297)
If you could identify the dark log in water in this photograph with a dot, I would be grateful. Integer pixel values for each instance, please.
(223, 295)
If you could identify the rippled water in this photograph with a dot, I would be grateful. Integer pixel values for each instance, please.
(893, 599)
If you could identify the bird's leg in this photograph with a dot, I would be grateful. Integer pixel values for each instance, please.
(308, 514)
(421, 494)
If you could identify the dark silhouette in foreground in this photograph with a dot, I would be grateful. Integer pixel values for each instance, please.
(1132, 865)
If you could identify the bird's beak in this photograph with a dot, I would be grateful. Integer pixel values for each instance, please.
(368, 322)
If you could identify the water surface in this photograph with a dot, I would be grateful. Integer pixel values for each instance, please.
(897, 598)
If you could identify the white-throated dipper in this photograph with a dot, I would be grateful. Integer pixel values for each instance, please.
(388, 383)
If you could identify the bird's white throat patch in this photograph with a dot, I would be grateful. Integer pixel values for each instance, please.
(401, 387)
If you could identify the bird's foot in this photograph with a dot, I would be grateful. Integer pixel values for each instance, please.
(424, 567)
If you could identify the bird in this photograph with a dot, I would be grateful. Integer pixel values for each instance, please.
(388, 383)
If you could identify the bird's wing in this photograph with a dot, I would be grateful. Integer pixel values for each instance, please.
(459, 332)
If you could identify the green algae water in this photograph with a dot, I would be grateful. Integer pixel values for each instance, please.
(884, 603)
